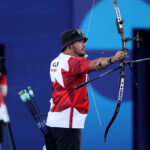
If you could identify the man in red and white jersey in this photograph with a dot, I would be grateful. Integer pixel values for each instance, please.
(69, 107)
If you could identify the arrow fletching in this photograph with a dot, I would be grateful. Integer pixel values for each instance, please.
(31, 92)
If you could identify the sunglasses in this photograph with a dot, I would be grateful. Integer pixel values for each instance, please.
(76, 33)
(80, 32)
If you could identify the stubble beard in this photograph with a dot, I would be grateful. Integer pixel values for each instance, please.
(76, 51)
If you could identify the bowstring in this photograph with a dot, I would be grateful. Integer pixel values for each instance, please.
(95, 104)
(94, 100)
(90, 19)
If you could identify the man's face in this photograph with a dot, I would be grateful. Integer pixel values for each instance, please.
(78, 48)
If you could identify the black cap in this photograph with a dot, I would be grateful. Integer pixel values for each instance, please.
(70, 36)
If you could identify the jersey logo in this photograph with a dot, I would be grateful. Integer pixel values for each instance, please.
(55, 64)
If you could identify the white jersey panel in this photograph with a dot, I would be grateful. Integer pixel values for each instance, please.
(78, 119)
(56, 66)
(58, 119)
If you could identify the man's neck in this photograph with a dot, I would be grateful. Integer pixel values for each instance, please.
(71, 53)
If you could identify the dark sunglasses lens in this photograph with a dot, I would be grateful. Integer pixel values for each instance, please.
(79, 32)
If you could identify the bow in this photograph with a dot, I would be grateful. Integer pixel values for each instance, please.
(119, 23)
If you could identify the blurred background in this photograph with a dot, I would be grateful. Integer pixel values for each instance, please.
(29, 39)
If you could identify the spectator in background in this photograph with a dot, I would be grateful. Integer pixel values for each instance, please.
(3, 93)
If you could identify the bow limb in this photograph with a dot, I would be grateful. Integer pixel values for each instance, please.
(120, 95)
(119, 23)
